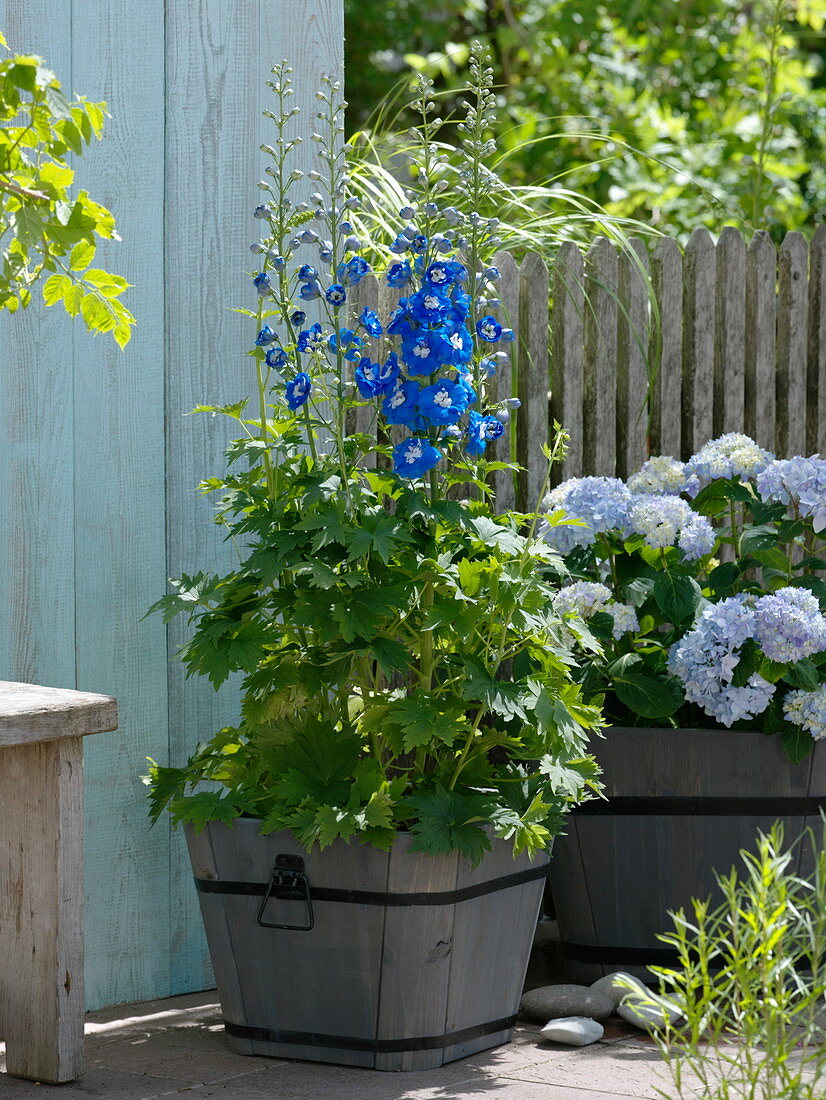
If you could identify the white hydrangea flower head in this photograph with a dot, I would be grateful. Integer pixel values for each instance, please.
(730, 455)
(807, 709)
(664, 474)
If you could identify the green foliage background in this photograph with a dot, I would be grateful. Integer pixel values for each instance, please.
(703, 112)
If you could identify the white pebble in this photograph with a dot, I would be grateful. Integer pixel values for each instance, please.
(573, 1031)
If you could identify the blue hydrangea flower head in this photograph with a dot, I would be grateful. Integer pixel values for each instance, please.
(600, 503)
(298, 390)
(444, 402)
(659, 518)
(788, 625)
(732, 455)
(663, 474)
(415, 457)
(807, 709)
(797, 481)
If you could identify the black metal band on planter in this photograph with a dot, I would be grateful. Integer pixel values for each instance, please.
(633, 806)
(373, 1046)
(372, 897)
(619, 956)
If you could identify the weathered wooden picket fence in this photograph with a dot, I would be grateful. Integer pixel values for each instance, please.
(654, 349)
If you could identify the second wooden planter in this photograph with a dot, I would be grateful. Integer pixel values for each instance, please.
(388, 960)
(680, 805)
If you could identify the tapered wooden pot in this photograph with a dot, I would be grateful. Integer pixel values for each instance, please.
(393, 961)
(681, 803)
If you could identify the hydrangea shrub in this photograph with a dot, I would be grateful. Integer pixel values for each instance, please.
(404, 665)
(702, 582)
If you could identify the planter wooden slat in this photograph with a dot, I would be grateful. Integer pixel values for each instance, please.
(617, 873)
(386, 984)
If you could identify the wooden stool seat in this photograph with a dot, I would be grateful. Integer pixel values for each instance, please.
(41, 875)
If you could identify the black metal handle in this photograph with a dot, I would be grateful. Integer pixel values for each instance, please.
(288, 882)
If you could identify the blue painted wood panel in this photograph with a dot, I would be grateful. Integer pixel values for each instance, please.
(100, 456)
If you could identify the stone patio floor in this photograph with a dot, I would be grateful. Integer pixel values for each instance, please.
(176, 1047)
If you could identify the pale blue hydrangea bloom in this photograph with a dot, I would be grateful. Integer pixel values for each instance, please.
(731, 455)
(602, 504)
(807, 709)
(705, 659)
(797, 481)
(663, 474)
(586, 598)
(660, 519)
(788, 625)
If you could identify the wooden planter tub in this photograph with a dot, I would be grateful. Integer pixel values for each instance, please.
(681, 803)
(393, 960)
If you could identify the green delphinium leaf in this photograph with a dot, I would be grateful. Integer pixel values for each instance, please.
(448, 820)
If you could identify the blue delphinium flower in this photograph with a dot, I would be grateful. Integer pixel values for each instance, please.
(265, 336)
(298, 317)
(373, 379)
(488, 328)
(788, 625)
(369, 320)
(261, 282)
(797, 481)
(807, 709)
(347, 341)
(706, 657)
(308, 292)
(418, 244)
(276, 358)
(429, 305)
(310, 338)
(401, 321)
(444, 402)
(399, 274)
(466, 382)
(663, 474)
(731, 455)
(480, 431)
(414, 457)
(336, 295)
(659, 517)
(353, 271)
(399, 406)
(424, 352)
(458, 345)
(261, 212)
(298, 390)
(307, 274)
(600, 503)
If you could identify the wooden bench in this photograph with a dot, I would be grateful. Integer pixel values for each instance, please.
(41, 875)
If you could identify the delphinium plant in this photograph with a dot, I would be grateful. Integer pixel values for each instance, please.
(701, 582)
(404, 668)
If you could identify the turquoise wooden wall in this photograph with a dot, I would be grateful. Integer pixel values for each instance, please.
(99, 459)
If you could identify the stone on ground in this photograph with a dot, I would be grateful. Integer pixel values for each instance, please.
(550, 1002)
(648, 1011)
(616, 987)
(573, 1031)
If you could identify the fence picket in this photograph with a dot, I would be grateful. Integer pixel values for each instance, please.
(816, 366)
(533, 377)
(792, 333)
(698, 340)
(632, 354)
(600, 364)
(666, 348)
(505, 384)
(730, 333)
(567, 354)
(761, 311)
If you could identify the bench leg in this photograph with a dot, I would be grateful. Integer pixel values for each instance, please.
(41, 909)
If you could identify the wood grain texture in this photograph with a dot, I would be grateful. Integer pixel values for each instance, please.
(600, 366)
(41, 909)
(816, 350)
(792, 344)
(506, 383)
(667, 348)
(37, 621)
(698, 341)
(761, 312)
(120, 565)
(632, 358)
(730, 333)
(533, 379)
(417, 956)
(568, 341)
(30, 713)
